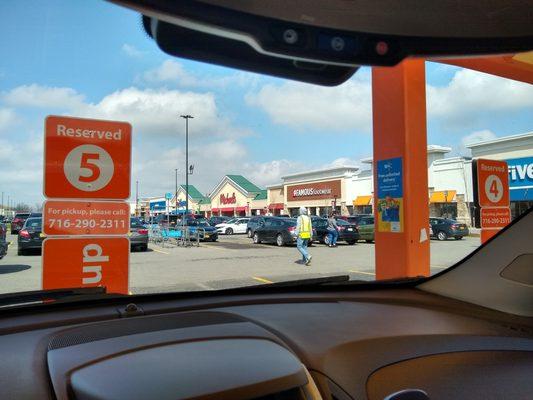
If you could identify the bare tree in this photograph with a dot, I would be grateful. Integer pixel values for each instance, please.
(22, 207)
(38, 207)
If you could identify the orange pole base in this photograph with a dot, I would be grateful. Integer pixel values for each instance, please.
(400, 145)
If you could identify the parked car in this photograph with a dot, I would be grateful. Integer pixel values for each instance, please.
(202, 228)
(444, 228)
(235, 225)
(18, 222)
(216, 219)
(281, 231)
(138, 235)
(3, 241)
(36, 215)
(366, 229)
(354, 219)
(30, 236)
(256, 222)
(348, 232)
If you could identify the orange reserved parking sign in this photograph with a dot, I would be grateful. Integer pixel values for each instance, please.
(86, 158)
(86, 262)
(63, 217)
(492, 183)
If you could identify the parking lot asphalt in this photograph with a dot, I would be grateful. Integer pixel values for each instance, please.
(233, 261)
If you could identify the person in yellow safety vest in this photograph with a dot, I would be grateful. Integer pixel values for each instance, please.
(304, 233)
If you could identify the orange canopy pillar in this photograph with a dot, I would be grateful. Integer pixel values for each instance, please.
(400, 171)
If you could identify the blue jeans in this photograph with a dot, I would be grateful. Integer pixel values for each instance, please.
(301, 245)
(333, 235)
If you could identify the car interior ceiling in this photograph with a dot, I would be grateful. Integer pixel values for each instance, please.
(465, 333)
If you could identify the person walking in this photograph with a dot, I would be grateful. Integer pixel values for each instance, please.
(333, 230)
(304, 230)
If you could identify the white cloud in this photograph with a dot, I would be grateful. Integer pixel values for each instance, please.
(173, 72)
(302, 107)
(152, 112)
(157, 112)
(43, 97)
(170, 71)
(270, 172)
(131, 51)
(471, 93)
(474, 137)
(342, 162)
(7, 118)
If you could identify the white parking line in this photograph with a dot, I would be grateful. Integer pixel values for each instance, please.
(160, 251)
(262, 280)
(204, 286)
(362, 272)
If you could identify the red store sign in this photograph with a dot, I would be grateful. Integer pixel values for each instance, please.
(227, 199)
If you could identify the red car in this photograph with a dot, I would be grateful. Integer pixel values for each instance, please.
(18, 222)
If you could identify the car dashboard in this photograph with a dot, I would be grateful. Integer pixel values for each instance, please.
(282, 344)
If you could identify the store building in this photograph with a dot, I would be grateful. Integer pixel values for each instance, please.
(237, 196)
(158, 205)
(320, 191)
(517, 151)
(198, 203)
(276, 199)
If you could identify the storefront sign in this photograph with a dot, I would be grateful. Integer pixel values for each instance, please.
(61, 217)
(314, 191)
(227, 199)
(96, 261)
(521, 178)
(491, 196)
(390, 195)
(158, 205)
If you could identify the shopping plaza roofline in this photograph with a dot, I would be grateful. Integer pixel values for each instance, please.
(505, 139)
(432, 149)
(317, 171)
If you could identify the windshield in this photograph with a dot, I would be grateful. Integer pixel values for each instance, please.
(33, 223)
(257, 147)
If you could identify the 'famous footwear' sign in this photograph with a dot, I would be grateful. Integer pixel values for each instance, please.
(314, 191)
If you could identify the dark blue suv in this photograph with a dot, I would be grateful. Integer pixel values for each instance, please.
(444, 228)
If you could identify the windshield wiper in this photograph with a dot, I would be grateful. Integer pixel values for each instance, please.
(41, 296)
(337, 280)
(305, 282)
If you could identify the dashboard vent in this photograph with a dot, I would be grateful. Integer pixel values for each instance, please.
(292, 394)
(125, 327)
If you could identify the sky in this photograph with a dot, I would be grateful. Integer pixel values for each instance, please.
(92, 59)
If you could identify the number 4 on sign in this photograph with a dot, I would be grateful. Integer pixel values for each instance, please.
(494, 189)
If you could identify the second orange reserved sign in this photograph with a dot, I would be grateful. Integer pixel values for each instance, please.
(62, 217)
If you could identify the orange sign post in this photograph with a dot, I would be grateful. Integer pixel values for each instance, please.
(86, 262)
(63, 217)
(87, 165)
(491, 194)
(400, 171)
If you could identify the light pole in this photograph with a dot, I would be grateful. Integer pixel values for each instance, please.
(176, 190)
(186, 117)
(136, 198)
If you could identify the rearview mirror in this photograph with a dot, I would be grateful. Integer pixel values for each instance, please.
(312, 42)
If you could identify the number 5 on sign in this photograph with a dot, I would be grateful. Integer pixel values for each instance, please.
(86, 158)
